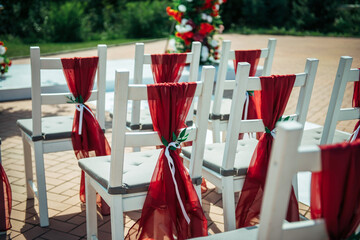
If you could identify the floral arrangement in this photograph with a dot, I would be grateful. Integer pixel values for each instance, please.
(5, 62)
(196, 20)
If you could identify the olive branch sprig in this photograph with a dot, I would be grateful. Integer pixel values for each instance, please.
(177, 139)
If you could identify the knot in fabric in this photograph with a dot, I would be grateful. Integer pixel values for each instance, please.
(80, 107)
(272, 132)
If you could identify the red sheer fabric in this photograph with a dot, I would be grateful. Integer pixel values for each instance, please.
(80, 74)
(356, 103)
(167, 67)
(5, 201)
(252, 57)
(272, 101)
(162, 217)
(335, 191)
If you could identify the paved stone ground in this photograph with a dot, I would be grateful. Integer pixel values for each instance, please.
(67, 214)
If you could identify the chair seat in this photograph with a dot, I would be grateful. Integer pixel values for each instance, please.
(53, 128)
(213, 156)
(224, 110)
(313, 136)
(135, 162)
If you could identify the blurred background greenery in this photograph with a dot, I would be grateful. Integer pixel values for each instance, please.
(84, 23)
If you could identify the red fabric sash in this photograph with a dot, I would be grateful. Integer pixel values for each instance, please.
(5, 201)
(80, 74)
(167, 67)
(356, 103)
(335, 191)
(272, 101)
(252, 57)
(161, 216)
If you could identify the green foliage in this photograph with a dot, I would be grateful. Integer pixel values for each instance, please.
(65, 22)
(146, 19)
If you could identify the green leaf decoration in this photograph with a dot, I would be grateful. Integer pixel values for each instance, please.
(267, 130)
(251, 93)
(174, 137)
(172, 148)
(182, 133)
(163, 140)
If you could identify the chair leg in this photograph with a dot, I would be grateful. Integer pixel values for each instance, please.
(28, 167)
(41, 184)
(228, 203)
(117, 218)
(91, 215)
(216, 131)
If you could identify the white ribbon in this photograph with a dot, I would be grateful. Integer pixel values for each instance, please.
(80, 107)
(246, 105)
(172, 169)
(273, 133)
(355, 134)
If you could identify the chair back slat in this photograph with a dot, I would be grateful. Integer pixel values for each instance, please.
(344, 75)
(151, 138)
(51, 63)
(138, 92)
(61, 98)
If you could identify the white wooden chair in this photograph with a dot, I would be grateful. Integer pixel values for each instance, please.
(122, 179)
(328, 134)
(220, 106)
(225, 164)
(137, 118)
(52, 134)
(285, 161)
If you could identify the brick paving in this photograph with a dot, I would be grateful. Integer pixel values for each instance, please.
(67, 214)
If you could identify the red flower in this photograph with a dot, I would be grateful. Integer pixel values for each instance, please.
(206, 28)
(187, 37)
(10, 62)
(208, 4)
(1, 43)
(175, 14)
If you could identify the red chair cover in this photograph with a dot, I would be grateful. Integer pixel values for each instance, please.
(335, 191)
(5, 201)
(167, 67)
(272, 100)
(356, 103)
(80, 74)
(252, 57)
(161, 216)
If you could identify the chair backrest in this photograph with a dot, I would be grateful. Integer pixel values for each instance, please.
(287, 158)
(344, 75)
(141, 59)
(38, 98)
(228, 54)
(121, 138)
(243, 83)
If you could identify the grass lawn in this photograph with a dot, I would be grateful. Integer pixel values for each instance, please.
(18, 49)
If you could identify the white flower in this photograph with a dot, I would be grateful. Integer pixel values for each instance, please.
(217, 7)
(204, 53)
(221, 2)
(189, 0)
(214, 43)
(172, 46)
(203, 16)
(209, 19)
(1, 60)
(183, 27)
(182, 8)
(2, 50)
